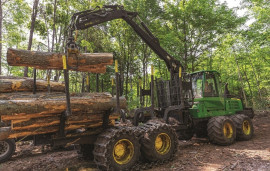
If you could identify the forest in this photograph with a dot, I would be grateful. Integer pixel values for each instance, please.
(201, 34)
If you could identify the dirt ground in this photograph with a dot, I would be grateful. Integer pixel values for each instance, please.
(196, 154)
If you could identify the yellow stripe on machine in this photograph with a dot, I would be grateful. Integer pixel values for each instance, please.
(64, 62)
(116, 65)
(180, 72)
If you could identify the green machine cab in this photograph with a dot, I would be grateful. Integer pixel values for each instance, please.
(209, 97)
(198, 104)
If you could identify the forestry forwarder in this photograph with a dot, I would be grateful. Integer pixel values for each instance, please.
(191, 103)
(194, 103)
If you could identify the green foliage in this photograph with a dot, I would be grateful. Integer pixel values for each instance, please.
(40, 27)
(133, 100)
(202, 34)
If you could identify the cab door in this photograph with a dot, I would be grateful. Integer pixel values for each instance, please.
(213, 101)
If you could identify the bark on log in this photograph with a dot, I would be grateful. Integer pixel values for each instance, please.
(54, 129)
(41, 105)
(86, 62)
(50, 121)
(8, 84)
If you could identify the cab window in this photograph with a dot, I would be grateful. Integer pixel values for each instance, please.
(210, 86)
(197, 85)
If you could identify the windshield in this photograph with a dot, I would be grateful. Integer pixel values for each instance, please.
(197, 85)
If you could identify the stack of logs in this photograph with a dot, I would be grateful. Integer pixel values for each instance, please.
(32, 114)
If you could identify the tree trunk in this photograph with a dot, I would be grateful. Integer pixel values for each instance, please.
(27, 105)
(47, 28)
(21, 132)
(87, 62)
(83, 81)
(121, 80)
(97, 82)
(256, 78)
(33, 20)
(88, 82)
(185, 42)
(249, 87)
(127, 75)
(54, 30)
(1, 26)
(8, 84)
(54, 15)
(241, 81)
(102, 85)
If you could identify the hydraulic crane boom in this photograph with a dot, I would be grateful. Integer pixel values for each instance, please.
(85, 19)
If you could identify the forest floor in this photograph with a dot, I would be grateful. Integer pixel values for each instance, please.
(196, 154)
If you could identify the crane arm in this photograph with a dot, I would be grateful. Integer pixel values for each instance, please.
(85, 19)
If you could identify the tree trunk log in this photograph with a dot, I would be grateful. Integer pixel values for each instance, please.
(9, 84)
(86, 62)
(75, 119)
(42, 105)
(54, 129)
(32, 114)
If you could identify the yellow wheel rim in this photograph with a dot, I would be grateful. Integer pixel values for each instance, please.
(227, 130)
(246, 127)
(123, 151)
(163, 143)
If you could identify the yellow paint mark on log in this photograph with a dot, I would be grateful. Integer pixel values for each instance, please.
(64, 62)
(112, 122)
(116, 66)
(16, 84)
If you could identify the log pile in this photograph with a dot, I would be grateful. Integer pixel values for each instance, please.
(86, 62)
(23, 84)
(32, 114)
(40, 113)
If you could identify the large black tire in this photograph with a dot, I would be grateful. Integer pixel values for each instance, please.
(86, 150)
(7, 148)
(185, 134)
(117, 149)
(244, 127)
(221, 130)
(159, 142)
